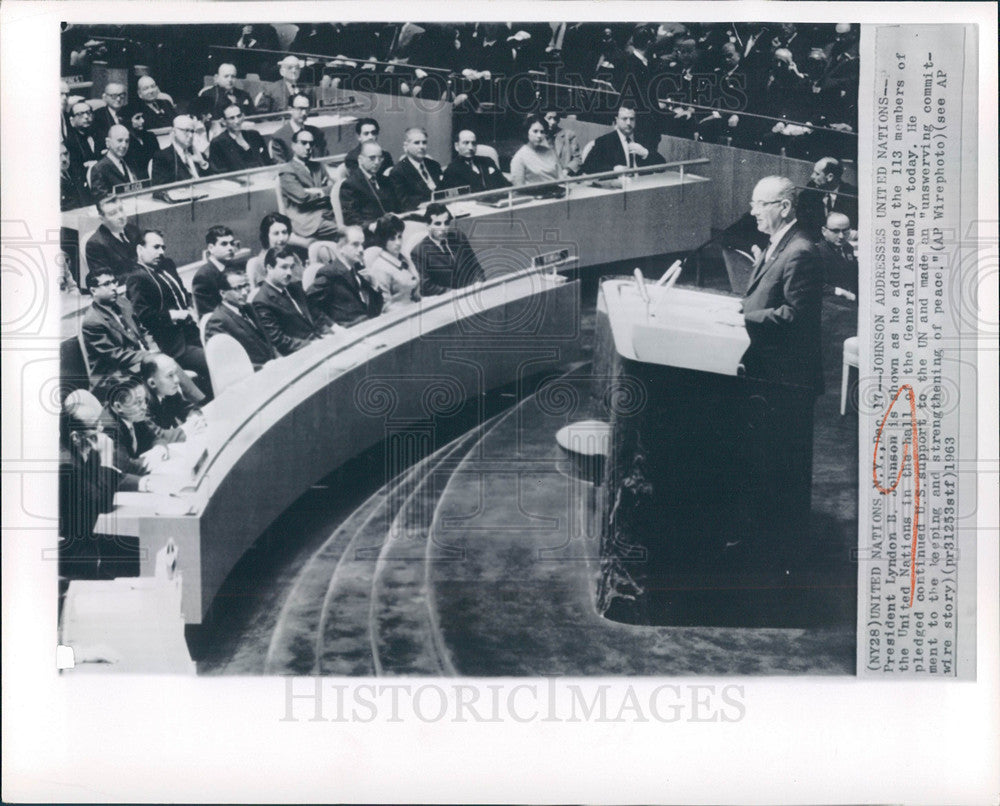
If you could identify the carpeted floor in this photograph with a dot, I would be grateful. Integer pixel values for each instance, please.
(481, 561)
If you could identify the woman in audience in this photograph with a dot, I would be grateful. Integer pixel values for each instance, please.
(536, 160)
(275, 230)
(388, 270)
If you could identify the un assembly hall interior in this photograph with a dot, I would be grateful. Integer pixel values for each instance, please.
(471, 349)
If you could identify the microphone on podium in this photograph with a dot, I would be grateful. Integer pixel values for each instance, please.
(640, 283)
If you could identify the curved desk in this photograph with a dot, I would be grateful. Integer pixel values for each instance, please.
(303, 416)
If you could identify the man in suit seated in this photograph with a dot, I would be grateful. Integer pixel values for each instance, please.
(236, 148)
(112, 246)
(619, 150)
(277, 95)
(208, 282)
(364, 195)
(159, 112)
(826, 193)
(468, 170)
(281, 140)
(339, 290)
(162, 305)
(236, 318)
(282, 308)
(73, 190)
(840, 264)
(305, 187)
(367, 131)
(115, 99)
(444, 258)
(112, 169)
(115, 344)
(416, 175)
(224, 93)
(180, 160)
(168, 405)
(82, 144)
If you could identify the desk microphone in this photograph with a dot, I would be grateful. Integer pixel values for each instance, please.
(640, 283)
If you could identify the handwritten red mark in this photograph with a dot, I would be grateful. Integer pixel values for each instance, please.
(909, 449)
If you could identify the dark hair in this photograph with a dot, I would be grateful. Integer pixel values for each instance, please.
(642, 38)
(530, 121)
(104, 201)
(266, 223)
(436, 208)
(388, 227)
(276, 253)
(216, 232)
(97, 274)
(367, 122)
(145, 232)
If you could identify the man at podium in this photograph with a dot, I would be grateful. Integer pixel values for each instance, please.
(782, 309)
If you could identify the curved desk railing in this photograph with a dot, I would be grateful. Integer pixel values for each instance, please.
(303, 416)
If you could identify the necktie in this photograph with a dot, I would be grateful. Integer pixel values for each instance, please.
(291, 299)
(191, 166)
(426, 176)
(375, 188)
(293, 89)
(131, 435)
(628, 152)
(155, 107)
(475, 170)
(175, 290)
(828, 203)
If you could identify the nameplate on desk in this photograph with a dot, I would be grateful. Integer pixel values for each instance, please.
(129, 187)
(343, 103)
(178, 197)
(449, 193)
(550, 258)
(199, 463)
(509, 201)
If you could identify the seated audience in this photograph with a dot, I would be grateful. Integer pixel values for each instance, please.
(159, 112)
(112, 246)
(444, 259)
(236, 318)
(388, 269)
(840, 264)
(468, 170)
(73, 190)
(208, 282)
(162, 305)
(367, 131)
(113, 112)
(224, 93)
(619, 149)
(305, 187)
(114, 342)
(275, 230)
(826, 193)
(180, 160)
(112, 169)
(80, 140)
(339, 289)
(364, 195)
(142, 146)
(236, 148)
(536, 160)
(282, 308)
(277, 95)
(281, 140)
(416, 176)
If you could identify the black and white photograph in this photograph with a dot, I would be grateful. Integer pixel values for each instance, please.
(586, 368)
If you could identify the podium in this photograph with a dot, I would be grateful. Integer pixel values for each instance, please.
(682, 528)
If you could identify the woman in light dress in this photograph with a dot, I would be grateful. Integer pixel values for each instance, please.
(536, 160)
(388, 269)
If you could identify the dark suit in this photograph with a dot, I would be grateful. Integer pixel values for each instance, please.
(158, 114)
(840, 266)
(216, 100)
(114, 340)
(73, 190)
(104, 120)
(142, 147)
(83, 147)
(169, 166)
(249, 334)
(105, 175)
(276, 97)
(351, 160)
(441, 269)
(290, 326)
(607, 152)
(478, 174)
(153, 294)
(813, 209)
(207, 285)
(281, 143)
(105, 252)
(781, 310)
(171, 412)
(409, 187)
(130, 445)
(344, 295)
(226, 155)
(361, 203)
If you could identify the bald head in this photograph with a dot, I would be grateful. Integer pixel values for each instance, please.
(465, 144)
(117, 141)
(827, 173)
(225, 76)
(773, 203)
(147, 89)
